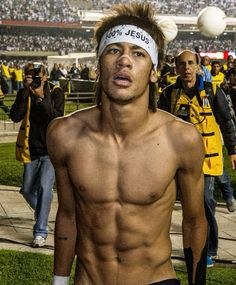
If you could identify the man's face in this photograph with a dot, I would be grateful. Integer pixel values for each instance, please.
(30, 74)
(215, 69)
(206, 60)
(125, 72)
(187, 68)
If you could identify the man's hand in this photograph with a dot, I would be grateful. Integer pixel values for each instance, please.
(28, 81)
(232, 159)
(38, 92)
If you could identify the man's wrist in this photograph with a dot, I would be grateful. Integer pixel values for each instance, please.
(60, 280)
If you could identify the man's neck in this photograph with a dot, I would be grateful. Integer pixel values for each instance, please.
(124, 120)
(188, 84)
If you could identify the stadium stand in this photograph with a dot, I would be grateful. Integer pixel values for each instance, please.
(47, 26)
(67, 10)
(175, 7)
(38, 10)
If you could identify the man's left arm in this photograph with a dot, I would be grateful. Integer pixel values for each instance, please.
(191, 184)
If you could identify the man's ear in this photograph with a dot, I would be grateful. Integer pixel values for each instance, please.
(153, 76)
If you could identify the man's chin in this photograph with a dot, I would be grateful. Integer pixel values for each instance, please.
(120, 101)
(122, 97)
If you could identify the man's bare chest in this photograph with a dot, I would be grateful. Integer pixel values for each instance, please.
(138, 173)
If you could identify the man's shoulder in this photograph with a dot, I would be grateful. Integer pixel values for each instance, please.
(178, 130)
(65, 132)
(76, 121)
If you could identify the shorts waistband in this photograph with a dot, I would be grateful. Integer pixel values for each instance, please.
(167, 282)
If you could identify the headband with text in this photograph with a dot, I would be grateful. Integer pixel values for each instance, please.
(130, 34)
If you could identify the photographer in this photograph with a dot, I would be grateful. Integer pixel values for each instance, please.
(36, 105)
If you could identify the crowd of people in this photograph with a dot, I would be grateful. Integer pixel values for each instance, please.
(13, 73)
(64, 42)
(206, 45)
(32, 41)
(38, 10)
(44, 41)
(51, 10)
(175, 7)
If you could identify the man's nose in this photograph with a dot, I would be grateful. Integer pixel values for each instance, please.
(124, 61)
(187, 65)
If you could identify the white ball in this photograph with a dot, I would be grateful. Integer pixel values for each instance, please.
(169, 28)
(211, 21)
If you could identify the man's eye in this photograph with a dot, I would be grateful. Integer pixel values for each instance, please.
(139, 53)
(113, 51)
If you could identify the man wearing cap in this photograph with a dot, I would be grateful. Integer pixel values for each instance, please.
(118, 168)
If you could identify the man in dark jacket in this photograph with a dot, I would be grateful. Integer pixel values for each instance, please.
(36, 105)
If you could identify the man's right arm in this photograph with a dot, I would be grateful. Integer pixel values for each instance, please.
(65, 227)
(189, 146)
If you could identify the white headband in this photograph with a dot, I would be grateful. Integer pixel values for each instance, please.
(130, 34)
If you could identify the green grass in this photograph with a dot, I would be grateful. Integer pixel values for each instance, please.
(10, 169)
(24, 268)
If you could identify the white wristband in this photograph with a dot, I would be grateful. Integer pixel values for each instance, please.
(60, 280)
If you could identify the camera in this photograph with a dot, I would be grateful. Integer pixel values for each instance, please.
(36, 82)
(35, 77)
(184, 112)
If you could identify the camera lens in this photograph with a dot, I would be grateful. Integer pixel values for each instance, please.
(36, 82)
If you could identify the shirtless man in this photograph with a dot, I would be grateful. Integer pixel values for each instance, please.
(117, 166)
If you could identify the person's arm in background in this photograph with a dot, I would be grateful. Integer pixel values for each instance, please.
(226, 122)
(65, 227)
(190, 181)
(164, 100)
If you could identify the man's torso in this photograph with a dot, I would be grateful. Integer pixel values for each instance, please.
(125, 193)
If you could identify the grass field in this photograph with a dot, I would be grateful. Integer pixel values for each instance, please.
(24, 268)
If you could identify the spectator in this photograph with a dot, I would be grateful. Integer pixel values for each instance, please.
(229, 64)
(167, 66)
(223, 180)
(11, 69)
(18, 75)
(217, 76)
(230, 77)
(6, 76)
(74, 71)
(56, 74)
(63, 70)
(92, 73)
(206, 61)
(85, 72)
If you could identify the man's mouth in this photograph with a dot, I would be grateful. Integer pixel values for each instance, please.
(121, 79)
(187, 74)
